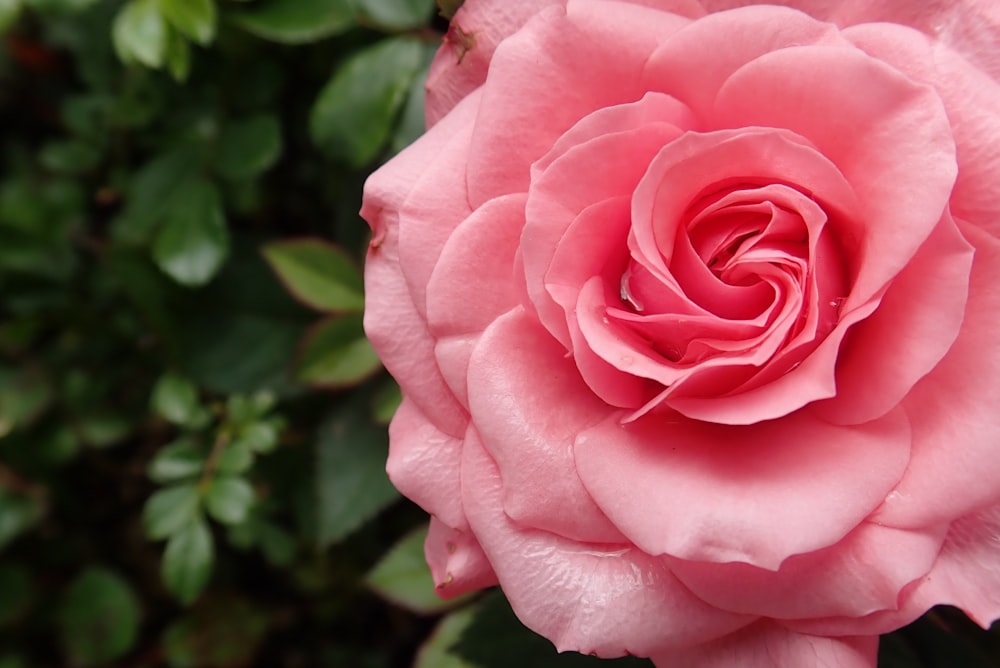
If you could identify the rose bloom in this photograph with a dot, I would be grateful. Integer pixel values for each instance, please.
(695, 307)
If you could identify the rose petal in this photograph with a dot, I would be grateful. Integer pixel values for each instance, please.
(528, 403)
(460, 65)
(766, 645)
(589, 597)
(457, 562)
(561, 66)
(972, 100)
(863, 573)
(425, 464)
(755, 494)
(884, 134)
(955, 461)
(914, 326)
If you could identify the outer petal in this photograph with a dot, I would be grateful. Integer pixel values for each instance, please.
(756, 493)
(458, 564)
(461, 63)
(768, 645)
(561, 66)
(588, 597)
(863, 573)
(425, 464)
(955, 463)
(528, 403)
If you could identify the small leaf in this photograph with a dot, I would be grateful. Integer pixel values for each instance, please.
(178, 57)
(437, 651)
(403, 577)
(229, 499)
(139, 34)
(18, 513)
(98, 618)
(153, 191)
(236, 458)
(355, 112)
(336, 354)
(351, 483)
(249, 147)
(169, 510)
(177, 461)
(194, 241)
(194, 18)
(298, 22)
(175, 399)
(412, 122)
(187, 561)
(386, 402)
(25, 394)
(261, 437)
(276, 544)
(317, 273)
(395, 15)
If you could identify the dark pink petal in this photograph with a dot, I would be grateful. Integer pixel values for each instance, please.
(955, 463)
(757, 494)
(769, 645)
(561, 66)
(528, 403)
(890, 138)
(458, 564)
(425, 464)
(600, 598)
(863, 573)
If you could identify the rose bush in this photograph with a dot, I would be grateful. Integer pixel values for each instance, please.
(694, 308)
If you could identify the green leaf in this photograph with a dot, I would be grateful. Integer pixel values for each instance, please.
(178, 57)
(276, 544)
(101, 429)
(248, 147)
(154, 189)
(169, 510)
(236, 458)
(194, 18)
(337, 354)
(220, 632)
(355, 112)
(447, 8)
(436, 652)
(317, 273)
(139, 34)
(187, 561)
(412, 122)
(386, 402)
(18, 513)
(25, 394)
(194, 240)
(69, 156)
(98, 618)
(229, 499)
(177, 461)
(403, 577)
(298, 21)
(243, 409)
(175, 399)
(351, 483)
(261, 437)
(9, 11)
(496, 639)
(394, 15)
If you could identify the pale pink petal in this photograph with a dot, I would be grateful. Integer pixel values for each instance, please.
(472, 282)
(757, 494)
(863, 573)
(429, 214)
(972, 100)
(716, 46)
(528, 403)
(955, 463)
(561, 66)
(461, 63)
(768, 645)
(915, 324)
(457, 562)
(606, 599)
(425, 464)
(399, 334)
(891, 140)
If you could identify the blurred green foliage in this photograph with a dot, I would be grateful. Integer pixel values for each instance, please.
(192, 423)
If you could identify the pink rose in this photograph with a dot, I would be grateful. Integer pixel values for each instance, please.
(695, 310)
